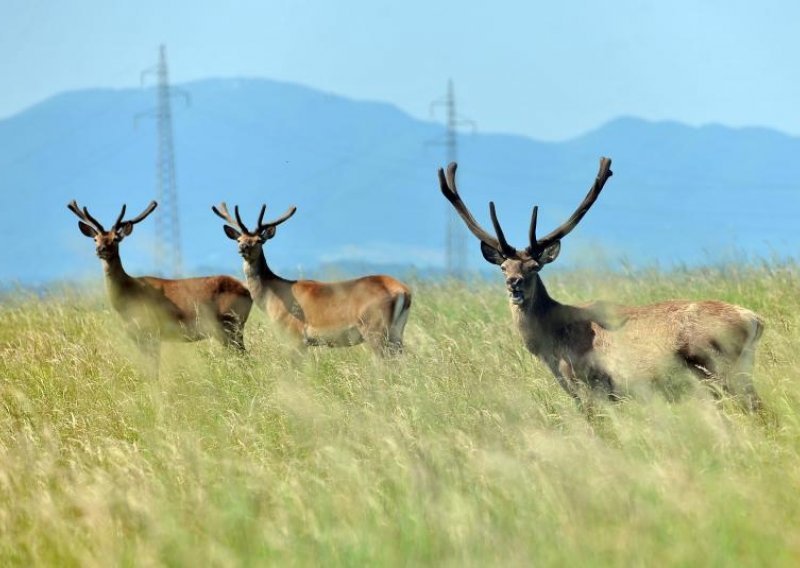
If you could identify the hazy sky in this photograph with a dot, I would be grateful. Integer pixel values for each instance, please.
(544, 69)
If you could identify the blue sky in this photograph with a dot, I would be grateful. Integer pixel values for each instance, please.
(549, 70)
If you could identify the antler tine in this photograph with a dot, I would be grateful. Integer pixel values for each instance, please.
(141, 216)
(118, 222)
(73, 206)
(261, 215)
(447, 183)
(93, 220)
(242, 226)
(563, 230)
(505, 248)
(274, 223)
(222, 211)
(532, 230)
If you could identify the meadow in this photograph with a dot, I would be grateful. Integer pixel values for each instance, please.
(465, 451)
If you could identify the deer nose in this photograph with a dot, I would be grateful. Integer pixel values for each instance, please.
(514, 281)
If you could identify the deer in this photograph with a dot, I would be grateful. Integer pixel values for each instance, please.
(603, 350)
(371, 309)
(158, 309)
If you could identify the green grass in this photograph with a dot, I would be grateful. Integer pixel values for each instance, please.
(465, 452)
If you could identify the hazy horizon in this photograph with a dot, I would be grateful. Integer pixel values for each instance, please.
(424, 119)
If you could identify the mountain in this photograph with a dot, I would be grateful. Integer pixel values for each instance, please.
(363, 176)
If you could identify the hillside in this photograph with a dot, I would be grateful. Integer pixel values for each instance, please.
(363, 176)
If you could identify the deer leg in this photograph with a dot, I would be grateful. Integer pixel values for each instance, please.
(392, 348)
(601, 381)
(739, 379)
(400, 312)
(150, 348)
(567, 378)
(375, 327)
(581, 391)
(597, 382)
(703, 366)
(309, 340)
(377, 339)
(232, 332)
(734, 380)
(393, 343)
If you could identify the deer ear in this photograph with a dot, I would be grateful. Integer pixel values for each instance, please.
(232, 233)
(492, 255)
(268, 233)
(550, 253)
(125, 229)
(86, 229)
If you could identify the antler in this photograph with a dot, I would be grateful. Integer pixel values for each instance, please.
(261, 214)
(222, 211)
(93, 220)
(505, 248)
(538, 245)
(447, 184)
(118, 222)
(532, 229)
(274, 223)
(140, 217)
(84, 216)
(239, 220)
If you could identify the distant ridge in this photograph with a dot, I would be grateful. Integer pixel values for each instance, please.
(364, 181)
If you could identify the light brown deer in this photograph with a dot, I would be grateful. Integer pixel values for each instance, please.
(371, 309)
(156, 309)
(616, 350)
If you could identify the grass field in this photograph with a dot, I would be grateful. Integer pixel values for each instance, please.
(464, 452)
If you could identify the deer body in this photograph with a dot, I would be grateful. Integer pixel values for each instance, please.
(637, 350)
(616, 350)
(190, 309)
(371, 309)
(159, 309)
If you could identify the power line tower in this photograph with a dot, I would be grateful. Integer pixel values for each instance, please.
(455, 235)
(168, 234)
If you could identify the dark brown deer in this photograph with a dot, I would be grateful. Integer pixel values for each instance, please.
(158, 309)
(616, 350)
(371, 309)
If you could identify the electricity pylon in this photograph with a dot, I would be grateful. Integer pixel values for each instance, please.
(169, 260)
(455, 235)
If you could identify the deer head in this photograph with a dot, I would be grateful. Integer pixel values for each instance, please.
(107, 242)
(520, 266)
(250, 242)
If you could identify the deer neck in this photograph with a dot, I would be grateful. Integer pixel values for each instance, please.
(262, 281)
(117, 280)
(538, 302)
(537, 318)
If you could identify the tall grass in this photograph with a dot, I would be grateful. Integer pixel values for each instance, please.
(464, 452)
